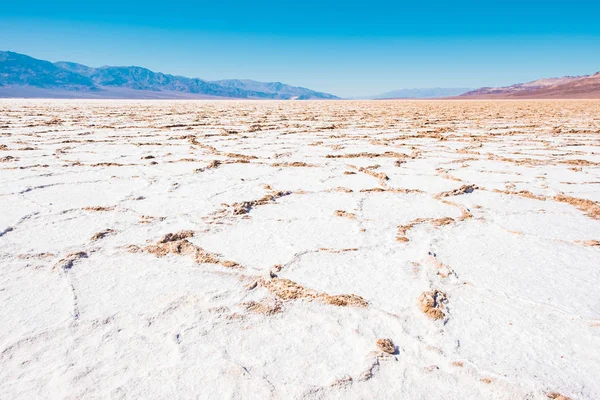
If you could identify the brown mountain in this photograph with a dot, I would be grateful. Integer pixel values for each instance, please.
(567, 87)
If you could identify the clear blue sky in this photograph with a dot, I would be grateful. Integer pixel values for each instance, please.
(348, 48)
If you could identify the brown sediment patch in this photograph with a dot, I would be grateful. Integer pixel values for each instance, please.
(589, 243)
(349, 173)
(338, 250)
(522, 193)
(265, 307)
(441, 269)
(340, 189)
(255, 128)
(225, 263)
(245, 206)
(177, 243)
(99, 208)
(282, 155)
(69, 260)
(442, 221)
(148, 144)
(369, 171)
(288, 290)
(386, 345)
(344, 300)
(435, 349)
(465, 160)
(185, 159)
(62, 150)
(276, 268)
(3, 147)
(403, 229)
(391, 190)
(148, 219)
(486, 380)
(344, 214)
(329, 127)
(459, 364)
(519, 161)
(579, 162)
(557, 396)
(372, 190)
(8, 159)
(431, 368)
(444, 174)
(379, 175)
(345, 381)
(172, 237)
(240, 156)
(36, 256)
(465, 214)
(293, 164)
(211, 165)
(589, 207)
(102, 234)
(464, 189)
(368, 155)
(432, 304)
(107, 164)
(55, 121)
(237, 161)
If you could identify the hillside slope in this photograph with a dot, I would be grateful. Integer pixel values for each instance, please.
(567, 87)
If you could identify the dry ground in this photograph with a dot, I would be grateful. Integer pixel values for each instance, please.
(223, 249)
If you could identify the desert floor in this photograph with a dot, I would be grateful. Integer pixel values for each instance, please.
(239, 249)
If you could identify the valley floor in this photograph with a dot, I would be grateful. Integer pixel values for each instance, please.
(245, 249)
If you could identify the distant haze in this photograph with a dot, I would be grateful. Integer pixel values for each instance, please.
(424, 93)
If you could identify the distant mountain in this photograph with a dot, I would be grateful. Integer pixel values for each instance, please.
(425, 93)
(273, 88)
(24, 76)
(143, 79)
(567, 87)
(21, 70)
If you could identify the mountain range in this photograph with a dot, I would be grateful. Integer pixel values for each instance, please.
(567, 87)
(25, 76)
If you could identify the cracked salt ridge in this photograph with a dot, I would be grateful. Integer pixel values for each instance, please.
(173, 322)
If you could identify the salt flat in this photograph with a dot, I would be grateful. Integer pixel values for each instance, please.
(223, 249)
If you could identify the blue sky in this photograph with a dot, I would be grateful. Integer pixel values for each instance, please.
(344, 47)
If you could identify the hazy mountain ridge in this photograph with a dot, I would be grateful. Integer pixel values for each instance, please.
(269, 87)
(421, 93)
(69, 79)
(585, 86)
(19, 69)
